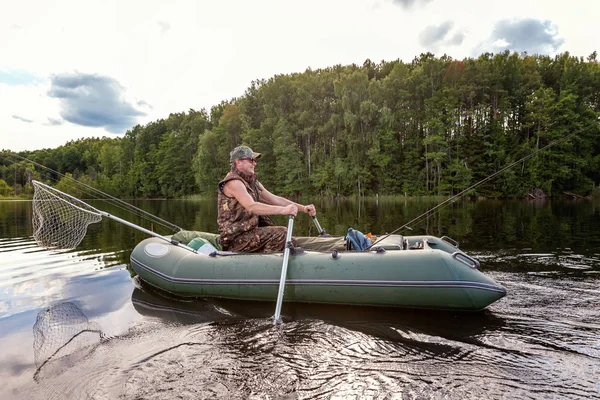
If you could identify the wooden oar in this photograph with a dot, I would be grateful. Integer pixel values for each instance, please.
(286, 258)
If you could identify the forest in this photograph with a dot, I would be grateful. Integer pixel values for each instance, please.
(434, 126)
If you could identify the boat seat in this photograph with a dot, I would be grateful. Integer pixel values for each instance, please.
(392, 242)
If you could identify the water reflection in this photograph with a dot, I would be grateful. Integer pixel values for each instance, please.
(376, 321)
(182, 311)
(60, 331)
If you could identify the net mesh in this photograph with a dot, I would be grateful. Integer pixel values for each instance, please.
(59, 220)
(60, 330)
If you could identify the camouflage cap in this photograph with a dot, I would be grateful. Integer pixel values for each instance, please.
(243, 151)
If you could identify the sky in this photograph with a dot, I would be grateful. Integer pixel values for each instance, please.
(89, 68)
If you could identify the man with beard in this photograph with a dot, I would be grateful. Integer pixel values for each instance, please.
(245, 205)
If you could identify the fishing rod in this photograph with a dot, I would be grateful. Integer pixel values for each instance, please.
(460, 194)
(117, 202)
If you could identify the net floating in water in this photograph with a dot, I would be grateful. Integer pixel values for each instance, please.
(60, 221)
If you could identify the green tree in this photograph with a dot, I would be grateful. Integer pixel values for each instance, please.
(5, 190)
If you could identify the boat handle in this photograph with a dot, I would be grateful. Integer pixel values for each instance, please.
(448, 239)
(465, 259)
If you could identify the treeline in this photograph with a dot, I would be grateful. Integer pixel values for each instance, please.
(432, 126)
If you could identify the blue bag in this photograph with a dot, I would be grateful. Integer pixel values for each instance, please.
(355, 240)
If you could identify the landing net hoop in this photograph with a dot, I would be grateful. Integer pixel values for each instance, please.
(59, 220)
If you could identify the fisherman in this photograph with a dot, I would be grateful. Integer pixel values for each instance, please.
(245, 205)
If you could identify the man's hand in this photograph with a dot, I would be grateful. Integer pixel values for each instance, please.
(310, 210)
(290, 209)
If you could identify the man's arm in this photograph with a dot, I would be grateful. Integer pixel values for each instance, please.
(235, 188)
(270, 198)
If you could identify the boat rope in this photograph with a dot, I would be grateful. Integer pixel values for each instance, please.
(463, 192)
(93, 192)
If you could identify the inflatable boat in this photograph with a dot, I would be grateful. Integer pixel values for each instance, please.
(414, 271)
(400, 271)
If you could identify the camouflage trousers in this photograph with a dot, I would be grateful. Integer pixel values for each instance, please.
(263, 239)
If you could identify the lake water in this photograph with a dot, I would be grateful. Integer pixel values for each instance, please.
(74, 324)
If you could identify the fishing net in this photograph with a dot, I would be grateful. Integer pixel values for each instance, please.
(59, 220)
(60, 330)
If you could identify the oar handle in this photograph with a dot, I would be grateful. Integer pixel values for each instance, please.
(286, 257)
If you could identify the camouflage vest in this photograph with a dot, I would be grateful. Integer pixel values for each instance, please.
(233, 219)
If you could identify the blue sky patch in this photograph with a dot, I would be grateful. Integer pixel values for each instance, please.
(17, 78)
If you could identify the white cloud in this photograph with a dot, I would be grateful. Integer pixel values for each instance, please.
(193, 54)
(409, 4)
(15, 116)
(531, 35)
(164, 26)
(94, 101)
(500, 44)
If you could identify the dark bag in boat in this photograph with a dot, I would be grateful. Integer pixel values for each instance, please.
(356, 240)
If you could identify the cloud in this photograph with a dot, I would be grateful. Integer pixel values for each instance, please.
(143, 103)
(456, 39)
(53, 122)
(408, 4)
(21, 118)
(164, 26)
(94, 101)
(531, 35)
(432, 35)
